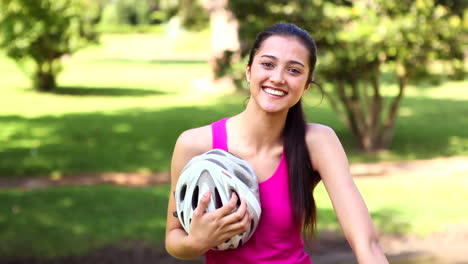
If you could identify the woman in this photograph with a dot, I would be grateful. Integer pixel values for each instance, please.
(289, 156)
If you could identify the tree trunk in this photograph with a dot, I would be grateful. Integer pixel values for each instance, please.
(44, 81)
(388, 128)
(44, 77)
(352, 120)
(363, 110)
(225, 44)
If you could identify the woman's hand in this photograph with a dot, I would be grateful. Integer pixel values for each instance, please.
(210, 229)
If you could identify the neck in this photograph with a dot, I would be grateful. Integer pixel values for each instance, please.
(260, 130)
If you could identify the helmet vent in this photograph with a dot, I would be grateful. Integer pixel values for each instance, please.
(234, 155)
(195, 198)
(182, 192)
(243, 178)
(218, 163)
(244, 167)
(217, 152)
(218, 201)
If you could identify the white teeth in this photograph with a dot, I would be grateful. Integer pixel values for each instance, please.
(274, 92)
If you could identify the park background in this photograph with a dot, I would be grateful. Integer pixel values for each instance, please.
(85, 155)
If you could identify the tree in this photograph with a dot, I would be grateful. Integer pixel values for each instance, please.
(402, 38)
(127, 12)
(359, 39)
(37, 33)
(225, 45)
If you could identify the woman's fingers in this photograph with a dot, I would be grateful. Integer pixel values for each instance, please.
(221, 224)
(240, 226)
(238, 215)
(202, 205)
(229, 207)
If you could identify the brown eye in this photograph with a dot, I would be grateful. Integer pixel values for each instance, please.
(294, 71)
(267, 64)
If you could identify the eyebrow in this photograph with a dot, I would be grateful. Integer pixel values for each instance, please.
(291, 61)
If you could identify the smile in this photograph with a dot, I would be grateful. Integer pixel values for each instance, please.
(274, 91)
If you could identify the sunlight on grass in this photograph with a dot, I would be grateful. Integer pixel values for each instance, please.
(72, 220)
(120, 114)
(112, 75)
(453, 90)
(61, 221)
(121, 106)
(416, 204)
(182, 47)
(458, 144)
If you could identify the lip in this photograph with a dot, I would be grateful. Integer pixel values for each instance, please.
(274, 88)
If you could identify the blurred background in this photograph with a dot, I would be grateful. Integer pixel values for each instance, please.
(94, 93)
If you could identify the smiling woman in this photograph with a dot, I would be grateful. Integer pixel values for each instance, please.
(289, 157)
(282, 61)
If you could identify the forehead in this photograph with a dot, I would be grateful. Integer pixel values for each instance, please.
(284, 48)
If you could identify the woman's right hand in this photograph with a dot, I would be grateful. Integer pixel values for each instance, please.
(210, 229)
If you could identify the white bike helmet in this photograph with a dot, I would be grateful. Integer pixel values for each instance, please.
(222, 173)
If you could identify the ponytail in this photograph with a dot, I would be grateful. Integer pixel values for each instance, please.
(302, 177)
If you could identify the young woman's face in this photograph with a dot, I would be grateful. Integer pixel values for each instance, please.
(278, 75)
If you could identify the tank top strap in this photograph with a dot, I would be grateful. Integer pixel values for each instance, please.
(219, 134)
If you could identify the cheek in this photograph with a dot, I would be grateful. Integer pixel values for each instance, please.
(300, 85)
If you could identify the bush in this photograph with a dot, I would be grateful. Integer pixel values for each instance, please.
(37, 33)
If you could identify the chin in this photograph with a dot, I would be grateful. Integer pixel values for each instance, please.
(273, 110)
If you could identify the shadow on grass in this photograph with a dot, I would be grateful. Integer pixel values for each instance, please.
(62, 221)
(100, 223)
(104, 91)
(142, 140)
(127, 141)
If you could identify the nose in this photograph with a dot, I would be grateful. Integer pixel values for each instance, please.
(277, 76)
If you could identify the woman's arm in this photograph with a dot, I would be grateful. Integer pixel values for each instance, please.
(329, 159)
(207, 229)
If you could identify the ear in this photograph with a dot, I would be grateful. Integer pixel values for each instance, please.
(307, 85)
(247, 73)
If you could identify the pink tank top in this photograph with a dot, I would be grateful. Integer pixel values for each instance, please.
(276, 240)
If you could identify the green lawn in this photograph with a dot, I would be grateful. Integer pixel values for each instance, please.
(71, 220)
(61, 221)
(121, 106)
(123, 114)
(415, 205)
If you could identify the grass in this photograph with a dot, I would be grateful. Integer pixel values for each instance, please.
(118, 114)
(416, 205)
(61, 221)
(121, 106)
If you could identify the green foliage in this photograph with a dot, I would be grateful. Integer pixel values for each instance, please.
(357, 40)
(128, 12)
(194, 16)
(37, 33)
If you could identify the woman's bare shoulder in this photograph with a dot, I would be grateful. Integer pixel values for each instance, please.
(196, 140)
(324, 145)
(190, 143)
(318, 132)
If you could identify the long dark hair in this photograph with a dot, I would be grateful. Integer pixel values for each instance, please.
(302, 176)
